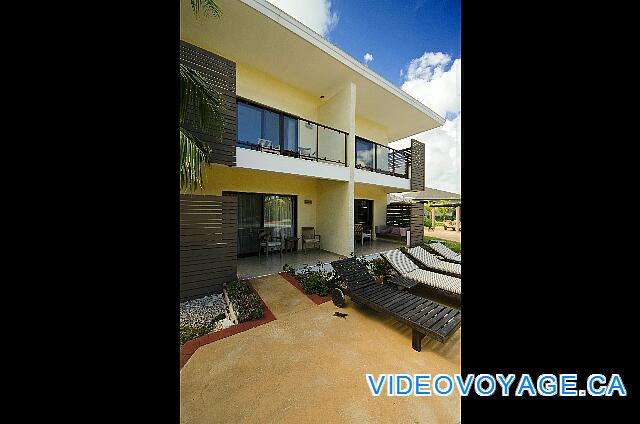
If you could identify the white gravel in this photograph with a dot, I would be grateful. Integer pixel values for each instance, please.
(199, 312)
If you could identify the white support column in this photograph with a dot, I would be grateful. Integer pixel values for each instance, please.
(433, 217)
(457, 218)
(335, 212)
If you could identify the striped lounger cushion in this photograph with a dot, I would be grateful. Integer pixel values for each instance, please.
(445, 252)
(432, 261)
(407, 268)
(400, 261)
(441, 281)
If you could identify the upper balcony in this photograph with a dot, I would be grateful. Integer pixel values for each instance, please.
(269, 130)
(287, 138)
(380, 165)
(372, 156)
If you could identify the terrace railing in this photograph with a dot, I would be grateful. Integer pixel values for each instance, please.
(375, 157)
(272, 131)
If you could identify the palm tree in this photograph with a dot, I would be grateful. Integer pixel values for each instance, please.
(195, 91)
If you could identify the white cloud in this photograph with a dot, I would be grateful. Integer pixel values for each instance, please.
(429, 81)
(368, 57)
(434, 80)
(316, 14)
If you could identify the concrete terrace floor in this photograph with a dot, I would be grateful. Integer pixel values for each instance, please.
(255, 266)
(310, 366)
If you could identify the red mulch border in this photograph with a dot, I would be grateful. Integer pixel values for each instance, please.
(318, 300)
(190, 347)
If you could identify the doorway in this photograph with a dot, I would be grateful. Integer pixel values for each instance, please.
(257, 211)
(363, 213)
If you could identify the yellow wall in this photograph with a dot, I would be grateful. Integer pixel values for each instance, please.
(222, 178)
(371, 131)
(262, 88)
(331, 210)
(334, 216)
(379, 197)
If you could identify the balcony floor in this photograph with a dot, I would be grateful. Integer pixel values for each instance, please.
(253, 266)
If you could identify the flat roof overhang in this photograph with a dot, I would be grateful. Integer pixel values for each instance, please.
(258, 34)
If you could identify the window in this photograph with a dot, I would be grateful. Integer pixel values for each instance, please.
(270, 129)
(259, 212)
(258, 126)
(249, 123)
(290, 134)
(261, 126)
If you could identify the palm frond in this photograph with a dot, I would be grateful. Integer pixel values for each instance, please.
(193, 158)
(202, 97)
(206, 6)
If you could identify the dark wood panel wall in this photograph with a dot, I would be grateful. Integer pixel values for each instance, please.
(417, 224)
(208, 232)
(417, 165)
(221, 73)
(399, 214)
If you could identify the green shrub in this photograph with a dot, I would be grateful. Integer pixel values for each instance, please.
(427, 222)
(246, 304)
(316, 282)
(379, 267)
(289, 270)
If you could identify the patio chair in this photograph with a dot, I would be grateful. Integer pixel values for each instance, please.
(425, 317)
(432, 262)
(309, 236)
(264, 143)
(266, 242)
(361, 233)
(445, 253)
(440, 283)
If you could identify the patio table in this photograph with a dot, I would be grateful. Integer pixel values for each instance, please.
(291, 242)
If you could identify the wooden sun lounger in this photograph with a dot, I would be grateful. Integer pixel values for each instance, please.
(425, 317)
(439, 284)
(432, 262)
(445, 253)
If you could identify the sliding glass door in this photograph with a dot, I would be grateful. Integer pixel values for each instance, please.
(363, 213)
(257, 211)
(278, 215)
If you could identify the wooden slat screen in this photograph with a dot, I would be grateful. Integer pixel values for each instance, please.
(417, 224)
(417, 165)
(399, 214)
(221, 73)
(208, 234)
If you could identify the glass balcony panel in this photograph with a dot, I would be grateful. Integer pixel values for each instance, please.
(290, 134)
(383, 161)
(331, 145)
(306, 138)
(364, 153)
(399, 162)
(249, 124)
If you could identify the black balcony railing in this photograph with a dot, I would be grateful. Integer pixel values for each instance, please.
(375, 157)
(265, 129)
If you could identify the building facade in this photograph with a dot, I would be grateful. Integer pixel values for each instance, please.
(306, 127)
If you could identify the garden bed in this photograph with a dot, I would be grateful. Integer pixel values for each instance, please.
(317, 299)
(202, 316)
(235, 304)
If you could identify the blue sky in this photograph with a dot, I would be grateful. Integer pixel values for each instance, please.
(395, 32)
(421, 38)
